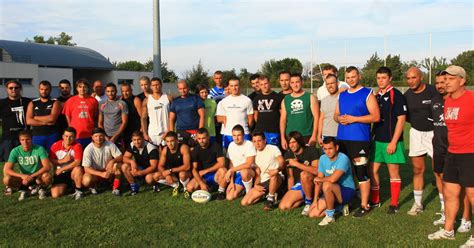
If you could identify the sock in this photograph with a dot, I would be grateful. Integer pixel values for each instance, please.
(418, 194)
(78, 189)
(248, 185)
(116, 184)
(375, 194)
(449, 233)
(270, 197)
(134, 187)
(441, 201)
(395, 187)
(330, 212)
(184, 183)
(308, 201)
(221, 189)
(174, 185)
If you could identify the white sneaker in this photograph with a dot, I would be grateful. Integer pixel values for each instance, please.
(326, 221)
(441, 220)
(41, 194)
(469, 243)
(22, 195)
(465, 226)
(415, 209)
(116, 192)
(33, 190)
(305, 211)
(77, 195)
(440, 234)
(93, 191)
(345, 210)
(8, 191)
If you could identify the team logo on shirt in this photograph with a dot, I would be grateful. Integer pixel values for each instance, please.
(426, 102)
(264, 105)
(19, 113)
(452, 113)
(296, 106)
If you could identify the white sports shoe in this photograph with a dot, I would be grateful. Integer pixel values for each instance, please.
(22, 195)
(469, 243)
(415, 209)
(77, 195)
(93, 191)
(41, 194)
(465, 226)
(441, 220)
(33, 190)
(440, 234)
(345, 210)
(326, 221)
(305, 211)
(116, 192)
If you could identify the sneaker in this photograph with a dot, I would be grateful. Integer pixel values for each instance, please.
(392, 209)
(305, 211)
(345, 210)
(41, 194)
(441, 220)
(133, 192)
(175, 191)
(440, 234)
(220, 196)
(8, 191)
(22, 195)
(469, 243)
(268, 205)
(116, 192)
(33, 190)
(375, 205)
(465, 226)
(415, 209)
(77, 195)
(186, 194)
(361, 212)
(93, 191)
(327, 220)
(156, 189)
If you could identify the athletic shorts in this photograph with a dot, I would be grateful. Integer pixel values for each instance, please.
(439, 160)
(6, 145)
(273, 138)
(298, 186)
(378, 153)
(347, 194)
(266, 184)
(227, 139)
(45, 141)
(354, 149)
(84, 142)
(63, 178)
(238, 179)
(421, 143)
(459, 169)
(209, 178)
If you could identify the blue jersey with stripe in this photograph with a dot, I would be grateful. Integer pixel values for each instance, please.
(216, 94)
(355, 104)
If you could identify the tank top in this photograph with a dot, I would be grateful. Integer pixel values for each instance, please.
(42, 109)
(173, 160)
(133, 116)
(158, 114)
(355, 104)
(298, 114)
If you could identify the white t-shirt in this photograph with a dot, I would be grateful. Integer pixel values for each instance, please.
(323, 91)
(238, 154)
(97, 158)
(235, 109)
(267, 160)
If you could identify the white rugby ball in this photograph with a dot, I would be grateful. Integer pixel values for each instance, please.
(201, 196)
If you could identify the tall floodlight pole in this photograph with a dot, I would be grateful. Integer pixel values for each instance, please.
(429, 72)
(156, 40)
(311, 70)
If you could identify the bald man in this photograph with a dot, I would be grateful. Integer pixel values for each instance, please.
(419, 97)
(186, 111)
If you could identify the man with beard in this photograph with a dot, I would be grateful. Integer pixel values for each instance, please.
(64, 94)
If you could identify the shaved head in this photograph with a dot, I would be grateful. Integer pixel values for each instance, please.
(414, 70)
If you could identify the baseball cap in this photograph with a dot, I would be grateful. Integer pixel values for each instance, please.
(98, 130)
(455, 70)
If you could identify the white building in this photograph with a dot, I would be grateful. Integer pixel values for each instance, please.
(30, 63)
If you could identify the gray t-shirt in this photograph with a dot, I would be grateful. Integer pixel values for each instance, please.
(113, 111)
(328, 106)
(97, 158)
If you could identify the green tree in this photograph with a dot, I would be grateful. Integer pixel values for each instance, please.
(466, 61)
(244, 77)
(272, 68)
(227, 74)
(62, 39)
(168, 75)
(131, 65)
(197, 75)
(369, 70)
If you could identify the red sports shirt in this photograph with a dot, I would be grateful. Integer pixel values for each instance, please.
(459, 119)
(83, 113)
(58, 151)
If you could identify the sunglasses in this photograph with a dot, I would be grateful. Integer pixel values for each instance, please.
(13, 88)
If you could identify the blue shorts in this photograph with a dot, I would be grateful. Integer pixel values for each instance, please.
(46, 141)
(84, 142)
(273, 138)
(238, 179)
(209, 178)
(227, 139)
(298, 186)
(347, 194)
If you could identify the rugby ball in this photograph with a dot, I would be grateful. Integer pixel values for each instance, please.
(201, 196)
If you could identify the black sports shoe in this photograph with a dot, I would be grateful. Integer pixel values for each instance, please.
(392, 209)
(268, 205)
(361, 212)
(220, 196)
(374, 205)
(156, 188)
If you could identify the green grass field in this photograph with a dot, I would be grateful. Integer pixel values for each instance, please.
(159, 220)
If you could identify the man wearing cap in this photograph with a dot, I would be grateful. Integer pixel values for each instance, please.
(101, 161)
(458, 172)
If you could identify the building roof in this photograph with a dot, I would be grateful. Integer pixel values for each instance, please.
(55, 55)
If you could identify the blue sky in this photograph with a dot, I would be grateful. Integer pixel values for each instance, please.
(243, 34)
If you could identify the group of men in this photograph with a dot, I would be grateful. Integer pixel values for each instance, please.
(257, 147)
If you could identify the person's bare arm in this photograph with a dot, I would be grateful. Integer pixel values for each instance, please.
(249, 161)
(162, 162)
(100, 123)
(320, 128)
(255, 115)
(8, 169)
(92, 171)
(186, 160)
(138, 105)
(283, 126)
(334, 178)
(313, 168)
(372, 117)
(392, 146)
(53, 116)
(336, 113)
(202, 117)
(45, 167)
(172, 120)
(144, 119)
(30, 120)
(315, 113)
(197, 175)
(250, 120)
(219, 164)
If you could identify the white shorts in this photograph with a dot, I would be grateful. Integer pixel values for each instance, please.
(421, 143)
(157, 139)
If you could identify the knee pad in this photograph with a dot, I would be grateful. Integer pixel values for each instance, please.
(361, 170)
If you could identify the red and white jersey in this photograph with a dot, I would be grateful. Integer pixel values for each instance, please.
(459, 119)
(58, 151)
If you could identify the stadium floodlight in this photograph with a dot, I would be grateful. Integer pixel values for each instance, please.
(156, 40)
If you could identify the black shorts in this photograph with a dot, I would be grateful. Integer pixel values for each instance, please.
(459, 169)
(354, 149)
(439, 160)
(6, 145)
(63, 178)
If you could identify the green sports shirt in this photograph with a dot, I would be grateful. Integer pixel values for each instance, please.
(30, 161)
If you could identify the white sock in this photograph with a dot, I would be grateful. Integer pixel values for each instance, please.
(221, 189)
(184, 183)
(248, 185)
(441, 200)
(174, 185)
(418, 194)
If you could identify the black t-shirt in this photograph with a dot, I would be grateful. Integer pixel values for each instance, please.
(13, 115)
(419, 108)
(133, 116)
(307, 157)
(141, 96)
(41, 108)
(207, 157)
(173, 160)
(253, 95)
(392, 104)
(268, 107)
(61, 122)
(144, 155)
(440, 138)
